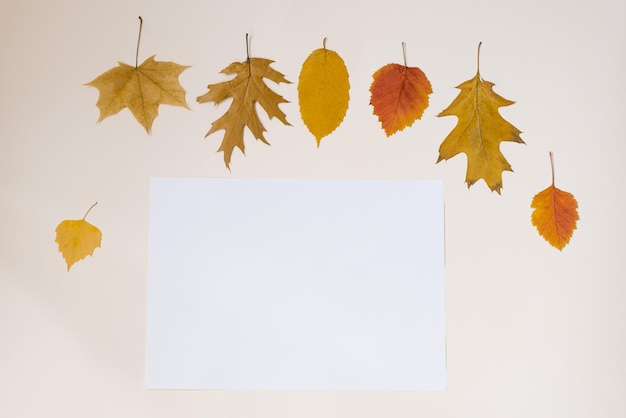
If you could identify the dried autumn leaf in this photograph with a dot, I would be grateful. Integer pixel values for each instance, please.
(555, 214)
(323, 92)
(247, 89)
(399, 96)
(479, 132)
(77, 239)
(140, 88)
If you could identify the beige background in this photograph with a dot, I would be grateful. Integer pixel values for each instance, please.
(531, 331)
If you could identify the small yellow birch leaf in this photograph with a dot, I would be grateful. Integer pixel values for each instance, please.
(323, 92)
(77, 239)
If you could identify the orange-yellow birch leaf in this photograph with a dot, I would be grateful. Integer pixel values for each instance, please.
(246, 90)
(555, 214)
(140, 88)
(479, 132)
(323, 92)
(77, 239)
(399, 96)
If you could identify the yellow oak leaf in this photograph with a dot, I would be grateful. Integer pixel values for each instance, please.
(77, 239)
(246, 90)
(323, 92)
(479, 131)
(555, 214)
(140, 88)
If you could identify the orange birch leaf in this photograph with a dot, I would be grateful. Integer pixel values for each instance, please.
(247, 89)
(77, 239)
(141, 89)
(399, 95)
(323, 92)
(479, 132)
(555, 214)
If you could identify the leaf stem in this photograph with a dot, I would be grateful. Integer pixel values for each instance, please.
(552, 167)
(478, 58)
(138, 40)
(404, 53)
(247, 48)
(88, 210)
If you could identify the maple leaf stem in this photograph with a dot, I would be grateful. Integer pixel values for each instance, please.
(88, 210)
(552, 167)
(478, 58)
(247, 48)
(138, 40)
(404, 53)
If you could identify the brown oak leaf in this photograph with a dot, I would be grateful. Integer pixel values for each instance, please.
(246, 90)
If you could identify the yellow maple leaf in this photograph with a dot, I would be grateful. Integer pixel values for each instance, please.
(140, 88)
(555, 214)
(479, 131)
(246, 90)
(323, 92)
(77, 239)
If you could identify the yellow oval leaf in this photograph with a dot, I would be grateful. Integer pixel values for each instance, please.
(323, 92)
(77, 239)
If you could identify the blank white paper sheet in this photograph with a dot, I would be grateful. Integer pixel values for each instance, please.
(296, 284)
